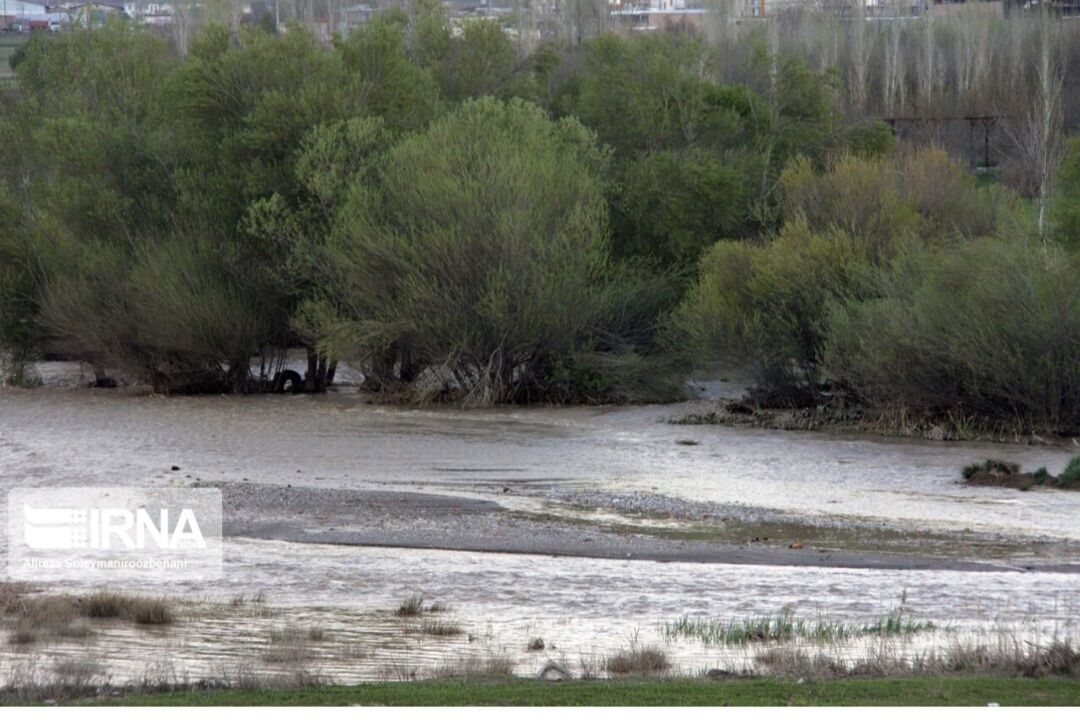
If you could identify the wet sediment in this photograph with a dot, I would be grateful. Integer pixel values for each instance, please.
(405, 519)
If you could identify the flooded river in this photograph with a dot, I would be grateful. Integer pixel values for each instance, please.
(78, 437)
(584, 606)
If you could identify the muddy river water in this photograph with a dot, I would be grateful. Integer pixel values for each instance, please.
(533, 462)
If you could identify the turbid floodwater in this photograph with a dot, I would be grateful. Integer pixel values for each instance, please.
(81, 437)
(337, 508)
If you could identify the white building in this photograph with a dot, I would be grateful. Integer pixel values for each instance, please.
(645, 15)
(874, 8)
(138, 8)
(149, 13)
(21, 8)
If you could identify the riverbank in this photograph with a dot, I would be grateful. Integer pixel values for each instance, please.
(905, 691)
(580, 526)
(845, 419)
(637, 527)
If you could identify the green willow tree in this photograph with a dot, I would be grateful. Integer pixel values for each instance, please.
(478, 251)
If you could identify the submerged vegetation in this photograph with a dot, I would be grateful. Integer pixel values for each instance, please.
(637, 660)
(34, 618)
(785, 628)
(462, 217)
(290, 653)
(1003, 473)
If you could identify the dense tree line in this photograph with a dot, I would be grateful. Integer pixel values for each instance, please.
(458, 218)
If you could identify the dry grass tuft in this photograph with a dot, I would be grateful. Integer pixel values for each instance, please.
(638, 660)
(44, 618)
(411, 606)
(113, 605)
(1006, 658)
(150, 611)
(104, 605)
(471, 667)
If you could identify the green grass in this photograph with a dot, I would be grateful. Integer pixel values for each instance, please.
(901, 691)
(784, 628)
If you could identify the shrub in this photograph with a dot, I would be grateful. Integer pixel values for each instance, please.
(950, 204)
(179, 314)
(395, 87)
(888, 201)
(1065, 206)
(19, 331)
(1071, 475)
(671, 205)
(765, 307)
(478, 256)
(105, 605)
(863, 197)
(990, 326)
(651, 92)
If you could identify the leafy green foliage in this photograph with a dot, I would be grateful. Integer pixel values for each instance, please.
(649, 93)
(764, 307)
(680, 164)
(990, 326)
(888, 202)
(142, 170)
(479, 249)
(398, 197)
(91, 126)
(671, 204)
(243, 109)
(1071, 474)
(390, 81)
(767, 306)
(18, 306)
(697, 160)
(1065, 207)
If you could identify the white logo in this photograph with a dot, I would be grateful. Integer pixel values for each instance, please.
(107, 528)
(120, 534)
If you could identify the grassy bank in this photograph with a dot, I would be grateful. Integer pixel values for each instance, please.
(976, 691)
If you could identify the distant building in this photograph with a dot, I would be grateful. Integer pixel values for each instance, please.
(136, 8)
(1061, 8)
(149, 13)
(354, 16)
(16, 13)
(94, 14)
(19, 8)
(874, 8)
(26, 16)
(648, 15)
